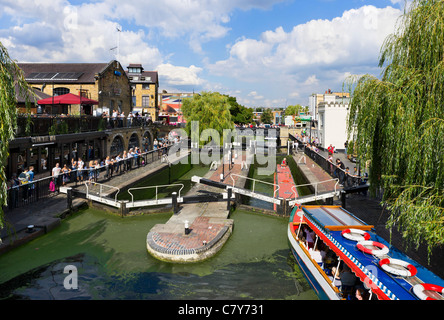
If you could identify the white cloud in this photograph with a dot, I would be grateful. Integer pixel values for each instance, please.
(56, 31)
(255, 95)
(197, 20)
(278, 65)
(311, 80)
(180, 76)
(331, 49)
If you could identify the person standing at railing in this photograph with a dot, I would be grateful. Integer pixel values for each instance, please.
(65, 174)
(117, 163)
(125, 161)
(24, 179)
(121, 117)
(137, 156)
(130, 159)
(73, 168)
(91, 172)
(155, 144)
(339, 173)
(31, 179)
(55, 173)
(96, 170)
(130, 119)
(14, 186)
(80, 165)
(107, 168)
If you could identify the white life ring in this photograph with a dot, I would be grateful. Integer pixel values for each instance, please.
(410, 272)
(355, 234)
(382, 249)
(419, 289)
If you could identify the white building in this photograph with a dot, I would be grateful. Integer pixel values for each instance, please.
(332, 122)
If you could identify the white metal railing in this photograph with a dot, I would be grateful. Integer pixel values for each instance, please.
(276, 186)
(157, 190)
(101, 186)
(315, 184)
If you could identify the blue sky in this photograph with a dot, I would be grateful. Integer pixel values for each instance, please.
(266, 53)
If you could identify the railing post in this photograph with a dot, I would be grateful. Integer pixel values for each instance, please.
(69, 198)
(230, 192)
(175, 206)
(343, 197)
(123, 209)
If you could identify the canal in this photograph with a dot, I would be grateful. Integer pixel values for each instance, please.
(110, 255)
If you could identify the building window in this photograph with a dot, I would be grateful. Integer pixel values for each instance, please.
(60, 91)
(145, 86)
(134, 70)
(145, 101)
(134, 101)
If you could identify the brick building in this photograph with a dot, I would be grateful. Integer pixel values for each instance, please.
(107, 83)
(145, 87)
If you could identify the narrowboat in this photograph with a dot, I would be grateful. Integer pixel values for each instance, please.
(343, 258)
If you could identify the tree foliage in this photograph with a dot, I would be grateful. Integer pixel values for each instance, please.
(267, 116)
(398, 123)
(211, 110)
(12, 82)
(294, 110)
(239, 113)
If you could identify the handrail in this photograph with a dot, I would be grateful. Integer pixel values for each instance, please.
(254, 183)
(100, 192)
(149, 187)
(315, 184)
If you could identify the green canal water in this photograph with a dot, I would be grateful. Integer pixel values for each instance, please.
(112, 262)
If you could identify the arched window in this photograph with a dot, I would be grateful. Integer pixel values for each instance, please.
(133, 142)
(116, 146)
(60, 91)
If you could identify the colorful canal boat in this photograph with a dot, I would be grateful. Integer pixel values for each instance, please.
(355, 261)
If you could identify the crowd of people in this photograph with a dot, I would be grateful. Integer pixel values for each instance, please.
(337, 168)
(22, 187)
(118, 119)
(80, 171)
(340, 274)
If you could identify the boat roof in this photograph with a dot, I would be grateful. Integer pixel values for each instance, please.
(335, 217)
(330, 221)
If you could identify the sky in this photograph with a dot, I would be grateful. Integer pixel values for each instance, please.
(266, 53)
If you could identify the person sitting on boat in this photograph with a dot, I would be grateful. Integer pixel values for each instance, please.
(316, 256)
(337, 279)
(347, 277)
(284, 162)
(309, 235)
(362, 294)
(348, 280)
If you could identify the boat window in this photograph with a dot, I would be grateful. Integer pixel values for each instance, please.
(333, 216)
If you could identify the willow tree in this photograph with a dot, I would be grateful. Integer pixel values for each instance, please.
(211, 110)
(398, 123)
(12, 82)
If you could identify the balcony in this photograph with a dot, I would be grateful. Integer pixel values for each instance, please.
(47, 125)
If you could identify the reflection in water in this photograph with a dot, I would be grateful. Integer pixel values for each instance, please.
(262, 280)
(112, 261)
